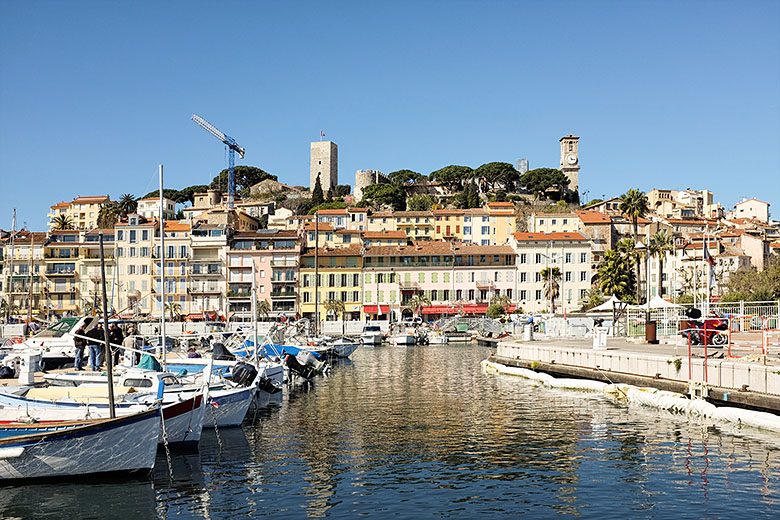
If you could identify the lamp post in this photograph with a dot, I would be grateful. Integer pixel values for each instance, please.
(641, 249)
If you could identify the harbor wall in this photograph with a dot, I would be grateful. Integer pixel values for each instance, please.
(722, 373)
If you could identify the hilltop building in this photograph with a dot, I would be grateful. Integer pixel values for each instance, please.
(324, 164)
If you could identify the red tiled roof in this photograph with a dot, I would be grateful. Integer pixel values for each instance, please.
(384, 234)
(92, 199)
(60, 205)
(353, 250)
(592, 217)
(547, 237)
(748, 200)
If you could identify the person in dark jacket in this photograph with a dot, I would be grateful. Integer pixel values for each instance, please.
(79, 343)
(95, 342)
(115, 337)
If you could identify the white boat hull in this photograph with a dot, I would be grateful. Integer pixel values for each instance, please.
(124, 444)
(371, 338)
(403, 340)
(228, 407)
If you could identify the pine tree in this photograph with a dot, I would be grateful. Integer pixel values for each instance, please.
(317, 197)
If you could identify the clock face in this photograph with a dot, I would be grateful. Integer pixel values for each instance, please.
(571, 158)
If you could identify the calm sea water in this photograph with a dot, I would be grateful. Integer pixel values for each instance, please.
(420, 432)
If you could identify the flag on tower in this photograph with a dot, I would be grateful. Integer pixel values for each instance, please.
(322, 134)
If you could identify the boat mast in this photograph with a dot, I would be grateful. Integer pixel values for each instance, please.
(30, 287)
(11, 252)
(162, 271)
(254, 309)
(108, 354)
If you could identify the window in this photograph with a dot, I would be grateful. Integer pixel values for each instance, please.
(567, 258)
(446, 296)
(481, 259)
(541, 222)
(583, 276)
(485, 230)
(306, 297)
(509, 293)
(130, 269)
(538, 294)
(565, 221)
(459, 294)
(554, 222)
(133, 236)
(471, 276)
(466, 230)
(538, 277)
(471, 294)
(120, 235)
(497, 276)
(145, 234)
(523, 258)
(538, 259)
(523, 277)
(145, 252)
(133, 251)
(583, 258)
(434, 295)
(567, 276)
(523, 295)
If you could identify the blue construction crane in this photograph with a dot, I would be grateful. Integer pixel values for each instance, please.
(232, 147)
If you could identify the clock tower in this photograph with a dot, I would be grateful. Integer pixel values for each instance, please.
(570, 160)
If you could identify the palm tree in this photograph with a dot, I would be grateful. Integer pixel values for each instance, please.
(550, 277)
(62, 222)
(634, 204)
(615, 275)
(174, 308)
(108, 215)
(127, 205)
(263, 308)
(418, 301)
(503, 300)
(659, 245)
(593, 298)
(7, 308)
(336, 307)
(626, 248)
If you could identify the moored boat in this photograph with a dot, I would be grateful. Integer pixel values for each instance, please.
(123, 444)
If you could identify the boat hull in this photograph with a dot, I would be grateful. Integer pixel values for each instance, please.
(124, 444)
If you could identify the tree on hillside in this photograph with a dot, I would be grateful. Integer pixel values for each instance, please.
(469, 197)
(327, 205)
(634, 204)
(245, 177)
(419, 202)
(452, 176)
(317, 197)
(62, 222)
(401, 177)
(385, 195)
(299, 206)
(168, 193)
(497, 174)
(540, 180)
(188, 193)
(342, 190)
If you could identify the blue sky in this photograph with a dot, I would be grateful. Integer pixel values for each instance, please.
(94, 95)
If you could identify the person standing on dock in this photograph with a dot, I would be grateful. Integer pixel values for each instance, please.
(115, 338)
(95, 339)
(79, 342)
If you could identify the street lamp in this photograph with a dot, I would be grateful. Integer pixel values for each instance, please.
(640, 250)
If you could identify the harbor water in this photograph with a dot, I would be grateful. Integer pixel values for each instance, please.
(421, 432)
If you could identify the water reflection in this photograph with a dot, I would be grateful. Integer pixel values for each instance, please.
(422, 432)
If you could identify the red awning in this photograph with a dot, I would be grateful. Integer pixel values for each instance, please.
(475, 308)
(440, 309)
(372, 309)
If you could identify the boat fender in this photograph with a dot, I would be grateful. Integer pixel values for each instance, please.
(11, 453)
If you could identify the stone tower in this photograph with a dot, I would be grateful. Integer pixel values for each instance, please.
(325, 163)
(570, 160)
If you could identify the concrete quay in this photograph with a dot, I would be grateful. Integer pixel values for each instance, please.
(751, 381)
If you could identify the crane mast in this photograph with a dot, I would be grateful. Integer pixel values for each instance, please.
(232, 149)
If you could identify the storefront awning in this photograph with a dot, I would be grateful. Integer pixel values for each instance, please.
(372, 309)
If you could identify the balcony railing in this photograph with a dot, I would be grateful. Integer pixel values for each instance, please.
(206, 272)
(65, 257)
(60, 272)
(409, 286)
(286, 263)
(282, 294)
(485, 284)
(203, 289)
(237, 294)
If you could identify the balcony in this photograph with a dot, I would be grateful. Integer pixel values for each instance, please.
(234, 295)
(203, 289)
(206, 272)
(485, 284)
(283, 280)
(287, 263)
(282, 294)
(409, 286)
(61, 272)
(51, 255)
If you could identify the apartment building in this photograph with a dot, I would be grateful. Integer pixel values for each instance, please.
(82, 211)
(418, 225)
(339, 271)
(570, 252)
(134, 243)
(457, 277)
(274, 256)
(23, 273)
(207, 269)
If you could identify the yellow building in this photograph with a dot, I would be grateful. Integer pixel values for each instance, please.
(82, 211)
(418, 225)
(339, 279)
(61, 255)
(448, 224)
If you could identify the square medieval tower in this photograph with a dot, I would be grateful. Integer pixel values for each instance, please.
(325, 163)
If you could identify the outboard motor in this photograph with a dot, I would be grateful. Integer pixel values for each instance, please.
(295, 366)
(220, 353)
(244, 374)
(269, 385)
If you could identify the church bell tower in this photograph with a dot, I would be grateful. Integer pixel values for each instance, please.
(570, 160)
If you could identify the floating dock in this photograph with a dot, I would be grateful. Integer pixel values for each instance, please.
(745, 379)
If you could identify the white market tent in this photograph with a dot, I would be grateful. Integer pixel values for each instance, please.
(607, 305)
(656, 302)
